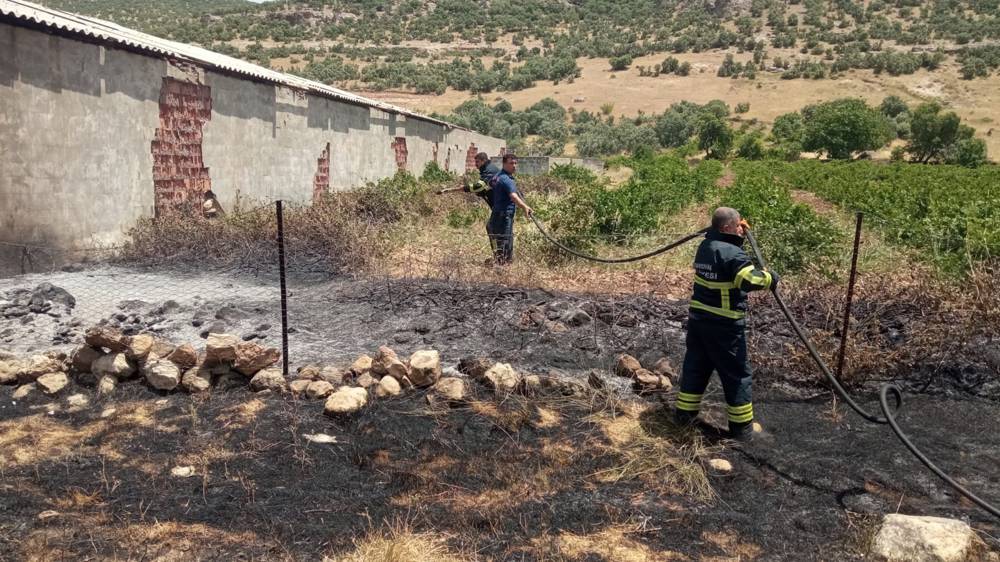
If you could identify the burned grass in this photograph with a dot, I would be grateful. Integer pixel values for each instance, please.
(485, 480)
(575, 476)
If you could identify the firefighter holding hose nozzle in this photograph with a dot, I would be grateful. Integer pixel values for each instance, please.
(716, 337)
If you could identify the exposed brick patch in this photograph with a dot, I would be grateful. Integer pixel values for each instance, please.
(321, 181)
(470, 157)
(179, 173)
(399, 146)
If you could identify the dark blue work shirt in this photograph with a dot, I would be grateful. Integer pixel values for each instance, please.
(501, 187)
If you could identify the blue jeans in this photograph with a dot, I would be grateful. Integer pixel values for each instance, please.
(500, 229)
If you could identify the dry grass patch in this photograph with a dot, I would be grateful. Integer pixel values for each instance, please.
(241, 415)
(171, 540)
(399, 543)
(659, 454)
(612, 545)
(33, 439)
(730, 543)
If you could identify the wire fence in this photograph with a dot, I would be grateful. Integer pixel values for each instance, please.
(316, 290)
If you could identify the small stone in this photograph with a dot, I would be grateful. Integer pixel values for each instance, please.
(161, 348)
(23, 391)
(114, 364)
(182, 471)
(221, 348)
(162, 374)
(556, 327)
(347, 400)
(217, 327)
(575, 317)
(184, 356)
(109, 338)
(108, 412)
(298, 387)
(386, 362)
(664, 368)
(230, 380)
(361, 365)
(252, 358)
(501, 377)
(36, 366)
(8, 370)
(645, 381)
(331, 375)
(450, 388)
(665, 383)
(721, 465)
(907, 538)
(627, 366)
(319, 438)
(533, 383)
(425, 368)
(318, 389)
(365, 380)
(388, 386)
(106, 385)
(139, 347)
(269, 379)
(474, 367)
(52, 383)
(83, 358)
(196, 380)
(310, 372)
(77, 402)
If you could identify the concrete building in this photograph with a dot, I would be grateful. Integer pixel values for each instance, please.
(538, 165)
(101, 125)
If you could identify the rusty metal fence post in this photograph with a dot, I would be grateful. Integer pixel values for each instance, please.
(850, 297)
(278, 209)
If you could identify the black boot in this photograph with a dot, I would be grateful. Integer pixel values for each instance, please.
(742, 432)
(684, 418)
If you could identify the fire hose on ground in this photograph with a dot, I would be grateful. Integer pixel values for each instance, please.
(887, 418)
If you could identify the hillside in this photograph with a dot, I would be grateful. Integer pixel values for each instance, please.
(784, 55)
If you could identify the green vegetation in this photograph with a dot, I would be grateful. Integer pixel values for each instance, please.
(796, 237)
(951, 212)
(830, 36)
(589, 210)
(842, 127)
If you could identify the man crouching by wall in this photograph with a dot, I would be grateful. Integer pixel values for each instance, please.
(210, 207)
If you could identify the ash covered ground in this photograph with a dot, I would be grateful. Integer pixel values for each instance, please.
(811, 492)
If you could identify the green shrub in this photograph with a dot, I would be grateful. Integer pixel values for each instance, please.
(792, 236)
(434, 174)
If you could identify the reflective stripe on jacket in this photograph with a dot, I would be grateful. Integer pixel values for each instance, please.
(723, 277)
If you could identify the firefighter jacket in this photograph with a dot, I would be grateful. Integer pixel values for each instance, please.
(723, 274)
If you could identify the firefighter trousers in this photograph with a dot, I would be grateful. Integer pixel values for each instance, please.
(720, 347)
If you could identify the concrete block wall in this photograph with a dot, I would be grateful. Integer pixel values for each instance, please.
(537, 165)
(96, 137)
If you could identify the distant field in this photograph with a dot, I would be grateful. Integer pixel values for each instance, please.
(977, 102)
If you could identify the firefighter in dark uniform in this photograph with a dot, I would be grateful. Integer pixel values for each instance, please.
(716, 339)
(486, 172)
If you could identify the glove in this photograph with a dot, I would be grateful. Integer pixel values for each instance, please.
(774, 279)
(745, 224)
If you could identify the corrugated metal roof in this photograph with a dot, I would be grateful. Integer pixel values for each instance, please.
(76, 24)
